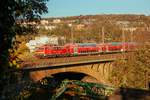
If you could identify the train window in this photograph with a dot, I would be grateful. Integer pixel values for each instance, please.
(40, 48)
(46, 48)
(54, 48)
(57, 48)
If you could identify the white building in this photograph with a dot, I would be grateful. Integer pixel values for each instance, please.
(46, 27)
(56, 21)
(38, 41)
(44, 22)
(49, 27)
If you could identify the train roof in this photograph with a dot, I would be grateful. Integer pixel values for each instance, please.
(86, 44)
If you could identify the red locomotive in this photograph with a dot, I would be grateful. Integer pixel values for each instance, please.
(82, 49)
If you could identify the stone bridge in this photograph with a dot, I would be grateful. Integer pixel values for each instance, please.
(93, 68)
(96, 70)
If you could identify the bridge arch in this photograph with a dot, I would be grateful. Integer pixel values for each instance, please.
(99, 72)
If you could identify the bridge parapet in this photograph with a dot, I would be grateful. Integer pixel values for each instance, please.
(64, 60)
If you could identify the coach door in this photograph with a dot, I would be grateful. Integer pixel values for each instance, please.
(75, 49)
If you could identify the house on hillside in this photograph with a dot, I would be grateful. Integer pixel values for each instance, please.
(44, 22)
(46, 27)
(56, 21)
(80, 26)
(123, 23)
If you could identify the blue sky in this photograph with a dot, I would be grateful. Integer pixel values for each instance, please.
(62, 8)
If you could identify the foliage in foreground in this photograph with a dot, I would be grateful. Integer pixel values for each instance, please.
(14, 12)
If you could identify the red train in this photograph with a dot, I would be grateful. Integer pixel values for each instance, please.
(83, 49)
